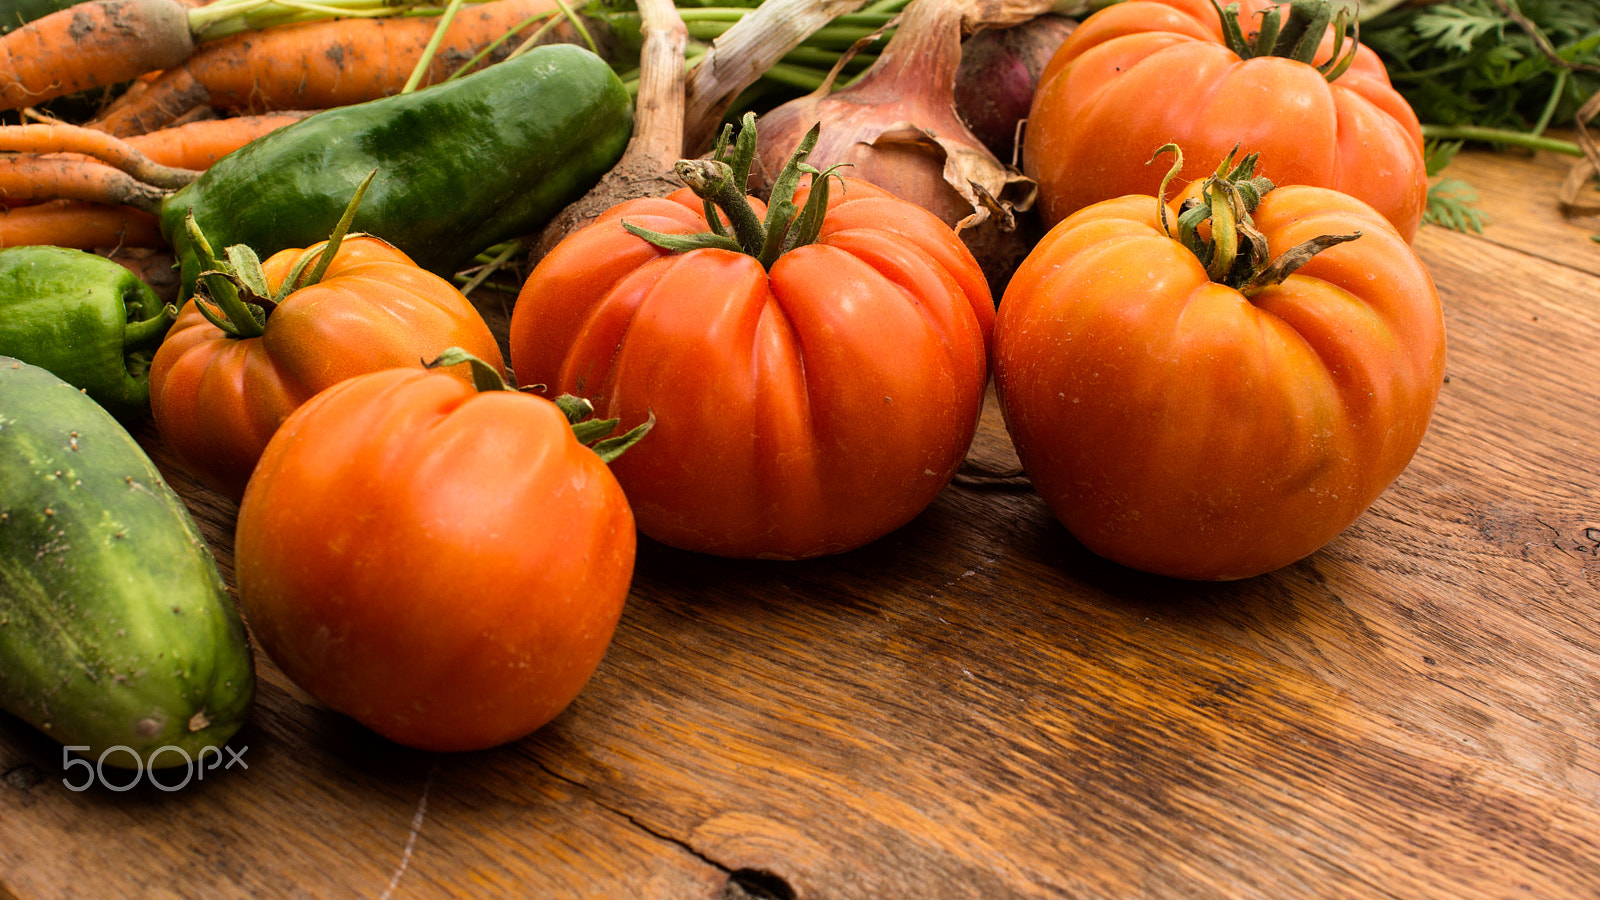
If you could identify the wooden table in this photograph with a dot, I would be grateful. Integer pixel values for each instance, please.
(975, 707)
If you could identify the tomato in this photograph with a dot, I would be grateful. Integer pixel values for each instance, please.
(1144, 73)
(1177, 425)
(447, 567)
(217, 399)
(803, 410)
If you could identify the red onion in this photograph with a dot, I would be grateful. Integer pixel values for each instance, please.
(999, 70)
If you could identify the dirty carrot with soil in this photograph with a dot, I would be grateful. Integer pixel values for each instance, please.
(319, 65)
(100, 43)
(31, 177)
(66, 157)
(87, 142)
(91, 45)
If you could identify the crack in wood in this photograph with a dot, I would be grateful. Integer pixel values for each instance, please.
(742, 883)
(411, 838)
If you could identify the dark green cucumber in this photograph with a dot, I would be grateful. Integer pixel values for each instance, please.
(115, 626)
(461, 165)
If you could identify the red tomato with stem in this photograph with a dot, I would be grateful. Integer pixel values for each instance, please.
(806, 403)
(445, 566)
(219, 387)
(1143, 73)
(1217, 424)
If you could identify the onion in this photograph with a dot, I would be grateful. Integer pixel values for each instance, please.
(999, 71)
(896, 126)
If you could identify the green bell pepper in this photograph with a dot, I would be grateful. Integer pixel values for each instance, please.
(461, 166)
(86, 319)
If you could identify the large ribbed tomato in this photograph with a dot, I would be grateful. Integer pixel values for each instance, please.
(800, 410)
(1144, 73)
(445, 566)
(217, 398)
(1204, 429)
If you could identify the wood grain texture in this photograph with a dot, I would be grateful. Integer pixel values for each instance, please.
(1519, 193)
(976, 707)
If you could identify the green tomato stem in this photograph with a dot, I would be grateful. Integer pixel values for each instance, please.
(1224, 233)
(484, 376)
(232, 314)
(296, 280)
(1235, 254)
(713, 180)
(720, 182)
(1296, 37)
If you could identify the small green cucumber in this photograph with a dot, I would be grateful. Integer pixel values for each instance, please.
(116, 629)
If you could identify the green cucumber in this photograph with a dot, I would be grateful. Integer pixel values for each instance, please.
(462, 165)
(116, 630)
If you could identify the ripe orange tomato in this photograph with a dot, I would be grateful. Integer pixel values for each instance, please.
(1143, 73)
(1178, 426)
(217, 399)
(447, 567)
(803, 410)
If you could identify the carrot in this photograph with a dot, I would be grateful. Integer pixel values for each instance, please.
(319, 65)
(92, 44)
(34, 177)
(152, 105)
(58, 137)
(198, 144)
(79, 225)
(99, 43)
(87, 198)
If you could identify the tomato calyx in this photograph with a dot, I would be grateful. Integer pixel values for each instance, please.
(1298, 37)
(721, 184)
(233, 294)
(590, 432)
(1233, 251)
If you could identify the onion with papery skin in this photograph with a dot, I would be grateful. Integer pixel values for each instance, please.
(897, 127)
(999, 70)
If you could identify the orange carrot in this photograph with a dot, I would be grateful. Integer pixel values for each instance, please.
(152, 105)
(79, 225)
(319, 65)
(91, 44)
(85, 195)
(59, 137)
(31, 177)
(168, 158)
(198, 144)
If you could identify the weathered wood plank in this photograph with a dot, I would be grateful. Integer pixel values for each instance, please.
(325, 809)
(1519, 194)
